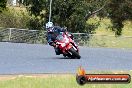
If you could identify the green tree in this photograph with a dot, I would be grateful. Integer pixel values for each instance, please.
(9, 2)
(69, 13)
(118, 11)
(2, 5)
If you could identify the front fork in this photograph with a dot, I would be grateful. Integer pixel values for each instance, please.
(65, 50)
(71, 45)
(75, 46)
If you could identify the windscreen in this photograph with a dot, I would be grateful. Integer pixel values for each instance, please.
(60, 38)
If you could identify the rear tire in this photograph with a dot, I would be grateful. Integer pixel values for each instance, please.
(74, 53)
(64, 55)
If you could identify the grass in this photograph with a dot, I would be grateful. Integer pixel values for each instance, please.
(105, 26)
(102, 38)
(110, 41)
(53, 81)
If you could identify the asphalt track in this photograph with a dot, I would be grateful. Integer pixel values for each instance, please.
(18, 58)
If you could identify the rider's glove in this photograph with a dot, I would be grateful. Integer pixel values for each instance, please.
(52, 44)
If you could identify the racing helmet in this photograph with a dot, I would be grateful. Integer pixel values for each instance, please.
(49, 26)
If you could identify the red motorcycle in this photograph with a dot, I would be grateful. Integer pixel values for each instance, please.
(67, 46)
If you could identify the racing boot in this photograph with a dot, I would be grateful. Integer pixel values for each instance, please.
(57, 51)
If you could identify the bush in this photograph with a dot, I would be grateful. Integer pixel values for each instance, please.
(14, 19)
(35, 23)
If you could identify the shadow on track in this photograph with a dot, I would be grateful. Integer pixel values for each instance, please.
(63, 58)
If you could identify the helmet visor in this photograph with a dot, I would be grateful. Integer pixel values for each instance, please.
(50, 29)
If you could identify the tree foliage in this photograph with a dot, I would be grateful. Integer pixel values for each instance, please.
(118, 11)
(2, 5)
(69, 13)
(74, 13)
(14, 19)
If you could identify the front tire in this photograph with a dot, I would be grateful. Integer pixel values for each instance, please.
(74, 53)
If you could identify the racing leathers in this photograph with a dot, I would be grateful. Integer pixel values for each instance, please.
(51, 37)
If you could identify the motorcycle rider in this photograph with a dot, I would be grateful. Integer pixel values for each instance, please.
(52, 33)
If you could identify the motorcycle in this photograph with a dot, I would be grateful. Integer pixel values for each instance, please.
(67, 46)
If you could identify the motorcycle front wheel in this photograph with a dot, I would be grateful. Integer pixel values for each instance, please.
(74, 53)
